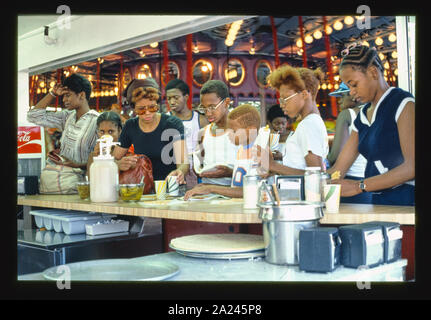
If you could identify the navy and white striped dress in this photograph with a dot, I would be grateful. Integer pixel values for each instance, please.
(379, 143)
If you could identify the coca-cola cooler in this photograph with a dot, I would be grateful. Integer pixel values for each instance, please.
(31, 158)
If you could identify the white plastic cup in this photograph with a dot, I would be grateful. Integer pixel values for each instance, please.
(160, 189)
(331, 194)
(173, 186)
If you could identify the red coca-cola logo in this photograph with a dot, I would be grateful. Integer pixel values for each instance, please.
(29, 140)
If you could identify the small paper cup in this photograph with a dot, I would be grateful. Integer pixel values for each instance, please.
(173, 186)
(331, 195)
(160, 186)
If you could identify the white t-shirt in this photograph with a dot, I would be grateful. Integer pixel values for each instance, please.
(358, 167)
(310, 135)
(218, 150)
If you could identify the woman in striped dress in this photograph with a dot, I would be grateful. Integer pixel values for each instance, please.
(79, 134)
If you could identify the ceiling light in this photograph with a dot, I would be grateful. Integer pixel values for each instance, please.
(392, 37)
(365, 43)
(349, 20)
(299, 43)
(308, 39)
(154, 44)
(317, 34)
(378, 41)
(338, 25)
(394, 54)
(328, 29)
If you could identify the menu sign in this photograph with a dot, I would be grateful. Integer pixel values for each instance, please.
(29, 140)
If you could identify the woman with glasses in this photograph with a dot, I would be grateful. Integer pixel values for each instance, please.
(158, 136)
(383, 132)
(308, 145)
(215, 150)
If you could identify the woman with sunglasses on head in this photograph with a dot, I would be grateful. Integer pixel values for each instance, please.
(159, 136)
(308, 145)
(383, 132)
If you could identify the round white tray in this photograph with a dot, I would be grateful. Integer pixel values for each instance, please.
(112, 270)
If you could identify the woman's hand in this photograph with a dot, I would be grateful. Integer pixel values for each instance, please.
(277, 155)
(217, 172)
(349, 188)
(58, 89)
(179, 174)
(127, 163)
(201, 188)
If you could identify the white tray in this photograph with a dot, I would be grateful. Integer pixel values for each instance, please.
(112, 270)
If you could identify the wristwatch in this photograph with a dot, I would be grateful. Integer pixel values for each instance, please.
(362, 185)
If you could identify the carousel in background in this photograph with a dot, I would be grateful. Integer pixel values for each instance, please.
(241, 54)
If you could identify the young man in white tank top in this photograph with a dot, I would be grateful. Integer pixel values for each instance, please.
(177, 95)
(214, 146)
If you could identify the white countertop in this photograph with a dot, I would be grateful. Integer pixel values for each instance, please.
(256, 270)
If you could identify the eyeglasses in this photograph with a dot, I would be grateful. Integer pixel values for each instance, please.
(142, 109)
(203, 109)
(284, 100)
(346, 51)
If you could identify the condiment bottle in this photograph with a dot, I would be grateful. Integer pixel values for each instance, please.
(312, 184)
(104, 173)
(250, 191)
(325, 178)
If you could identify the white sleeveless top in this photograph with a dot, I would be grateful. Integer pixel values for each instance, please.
(218, 150)
(358, 167)
(191, 130)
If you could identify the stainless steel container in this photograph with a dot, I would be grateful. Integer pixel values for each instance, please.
(281, 226)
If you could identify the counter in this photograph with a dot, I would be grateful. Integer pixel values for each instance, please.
(219, 216)
(257, 270)
(221, 211)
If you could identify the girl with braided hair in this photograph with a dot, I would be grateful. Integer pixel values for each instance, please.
(383, 132)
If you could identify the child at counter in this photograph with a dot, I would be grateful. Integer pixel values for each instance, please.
(108, 122)
(243, 124)
(279, 123)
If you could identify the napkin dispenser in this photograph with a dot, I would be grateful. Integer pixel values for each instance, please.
(361, 245)
(290, 188)
(392, 235)
(28, 185)
(319, 249)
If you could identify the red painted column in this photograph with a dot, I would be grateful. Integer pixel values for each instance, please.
(97, 83)
(275, 40)
(304, 53)
(120, 82)
(333, 100)
(58, 81)
(189, 74)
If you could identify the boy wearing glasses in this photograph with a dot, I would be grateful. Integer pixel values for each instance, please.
(159, 136)
(215, 150)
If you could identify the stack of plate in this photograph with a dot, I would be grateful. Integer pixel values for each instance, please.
(220, 246)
